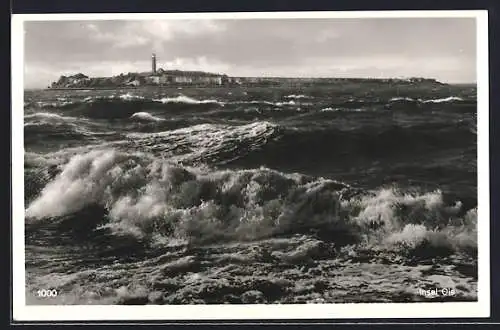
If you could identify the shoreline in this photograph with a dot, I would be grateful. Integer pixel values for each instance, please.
(83, 82)
(299, 86)
(87, 88)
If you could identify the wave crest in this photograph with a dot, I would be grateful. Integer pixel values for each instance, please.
(186, 100)
(299, 96)
(207, 142)
(145, 116)
(47, 116)
(448, 99)
(444, 99)
(149, 197)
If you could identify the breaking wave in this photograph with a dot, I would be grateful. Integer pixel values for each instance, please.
(151, 199)
(330, 109)
(448, 99)
(47, 116)
(207, 142)
(260, 142)
(145, 116)
(116, 108)
(299, 96)
(445, 99)
(399, 99)
(53, 126)
(34, 131)
(324, 146)
(186, 100)
(280, 104)
(129, 96)
(256, 102)
(290, 100)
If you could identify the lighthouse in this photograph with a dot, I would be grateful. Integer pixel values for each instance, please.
(153, 63)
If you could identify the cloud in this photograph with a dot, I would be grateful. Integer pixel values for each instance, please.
(167, 30)
(444, 48)
(127, 37)
(154, 33)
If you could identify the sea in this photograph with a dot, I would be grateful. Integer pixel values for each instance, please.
(341, 193)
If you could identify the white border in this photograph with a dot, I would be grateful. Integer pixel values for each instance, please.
(22, 312)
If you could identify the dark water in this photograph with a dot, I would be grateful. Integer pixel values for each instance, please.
(251, 195)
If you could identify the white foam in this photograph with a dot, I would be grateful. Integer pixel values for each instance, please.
(53, 104)
(280, 104)
(300, 96)
(396, 99)
(129, 97)
(380, 206)
(145, 116)
(82, 182)
(48, 115)
(253, 102)
(444, 100)
(330, 109)
(139, 190)
(186, 100)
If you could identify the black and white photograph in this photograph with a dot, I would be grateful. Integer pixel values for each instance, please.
(253, 160)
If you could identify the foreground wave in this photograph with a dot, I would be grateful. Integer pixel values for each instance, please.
(149, 198)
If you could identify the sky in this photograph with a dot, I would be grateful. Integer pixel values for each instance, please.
(439, 48)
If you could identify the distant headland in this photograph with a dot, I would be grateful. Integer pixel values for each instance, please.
(161, 77)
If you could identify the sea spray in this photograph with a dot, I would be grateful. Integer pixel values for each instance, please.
(145, 194)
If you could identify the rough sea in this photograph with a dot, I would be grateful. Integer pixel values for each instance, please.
(327, 194)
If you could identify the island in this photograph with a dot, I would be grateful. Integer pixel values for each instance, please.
(206, 79)
(171, 78)
(133, 79)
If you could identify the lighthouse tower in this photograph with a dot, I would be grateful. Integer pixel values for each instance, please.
(153, 63)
